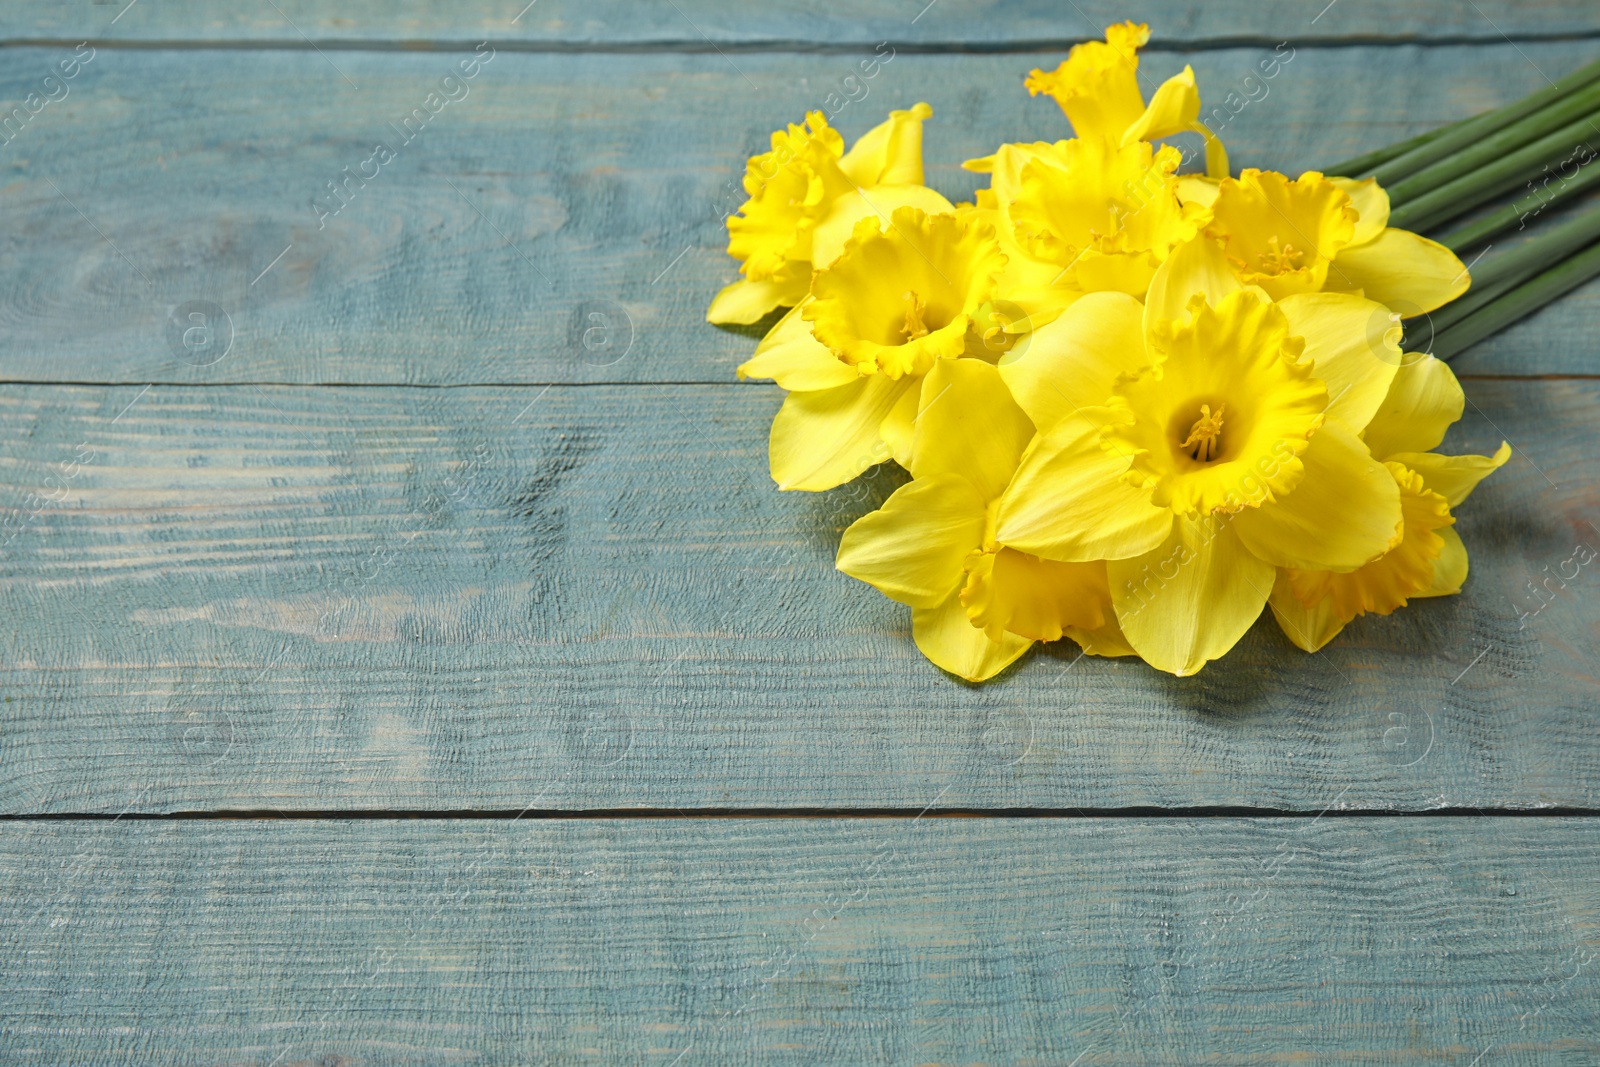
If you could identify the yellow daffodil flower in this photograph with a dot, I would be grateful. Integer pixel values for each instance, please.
(1097, 87)
(805, 196)
(1082, 216)
(853, 355)
(1317, 234)
(976, 604)
(1200, 442)
(1423, 401)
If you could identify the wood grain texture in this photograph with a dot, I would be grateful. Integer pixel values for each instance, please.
(698, 23)
(559, 187)
(1335, 941)
(593, 597)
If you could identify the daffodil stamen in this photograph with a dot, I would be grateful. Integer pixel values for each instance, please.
(1276, 260)
(1204, 442)
(915, 327)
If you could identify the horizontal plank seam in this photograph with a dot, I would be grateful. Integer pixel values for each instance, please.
(684, 46)
(85, 383)
(1221, 811)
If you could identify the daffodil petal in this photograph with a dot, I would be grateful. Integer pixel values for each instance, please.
(1401, 269)
(969, 425)
(1453, 477)
(1344, 512)
(879, 202)
(1174, 108)
(790, 356)
(1308, 628)
(1074, 362)
(745, 301)
(912, 548)
(1107, 640)
(1352, 344)
(1189, 599)
(946, 637)
(1389, 581)
(1423, 401)
(899, 426)
(1011, 591)
(1450, 569)
(823, 438)
(1371, 202)
(891, 152)
(1196, 266)
(1071, 499)
(1198, 189)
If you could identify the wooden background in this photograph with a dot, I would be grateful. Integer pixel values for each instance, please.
(413, 684)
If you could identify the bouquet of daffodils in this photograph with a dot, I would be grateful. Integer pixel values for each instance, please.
(1137, 406)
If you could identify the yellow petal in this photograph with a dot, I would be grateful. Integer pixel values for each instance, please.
(1087, 205)
(1450, 569)
(891, 152)
(745, 301)
(1198, 189)
(1371, 202)
(968, 425)
(1071, 499)
(1096, 85)
(1454, 477)
(1353, 345)
(1074, 361)
(790, 189)
(1308, 627)
(790, 356)
(1196, 266)
(899, 426)
(1282, 234)
(1404, 270)
(1344, 512)
(947, 638)
(875, 202)
(912, 548)
(1390, 580)
(1191, 598)
(1423, 400)
(1174, 108)
(900, 297)
(1011, 591)
(1241, 356)
(1105, 641)
(825, 437)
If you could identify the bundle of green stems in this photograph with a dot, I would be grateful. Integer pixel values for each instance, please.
(1542, 152)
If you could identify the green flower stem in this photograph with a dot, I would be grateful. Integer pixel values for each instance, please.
(1460, 196)
(1519, 212)
(1517, 304)
(1500, 274)
(1362, 164)
(1467, 133)
(1561, 115)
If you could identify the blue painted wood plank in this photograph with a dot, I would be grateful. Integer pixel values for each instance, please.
(699, 23)
(593, 597)
(1087, 942)
(172, 180)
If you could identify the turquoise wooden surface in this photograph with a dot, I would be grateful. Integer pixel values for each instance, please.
(557, 182)
(407, 546)
(805, 24)
(695, 941)
(594, 597)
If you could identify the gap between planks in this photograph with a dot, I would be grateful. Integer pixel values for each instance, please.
(685, 46)
(1148, 813)
(86, 383)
